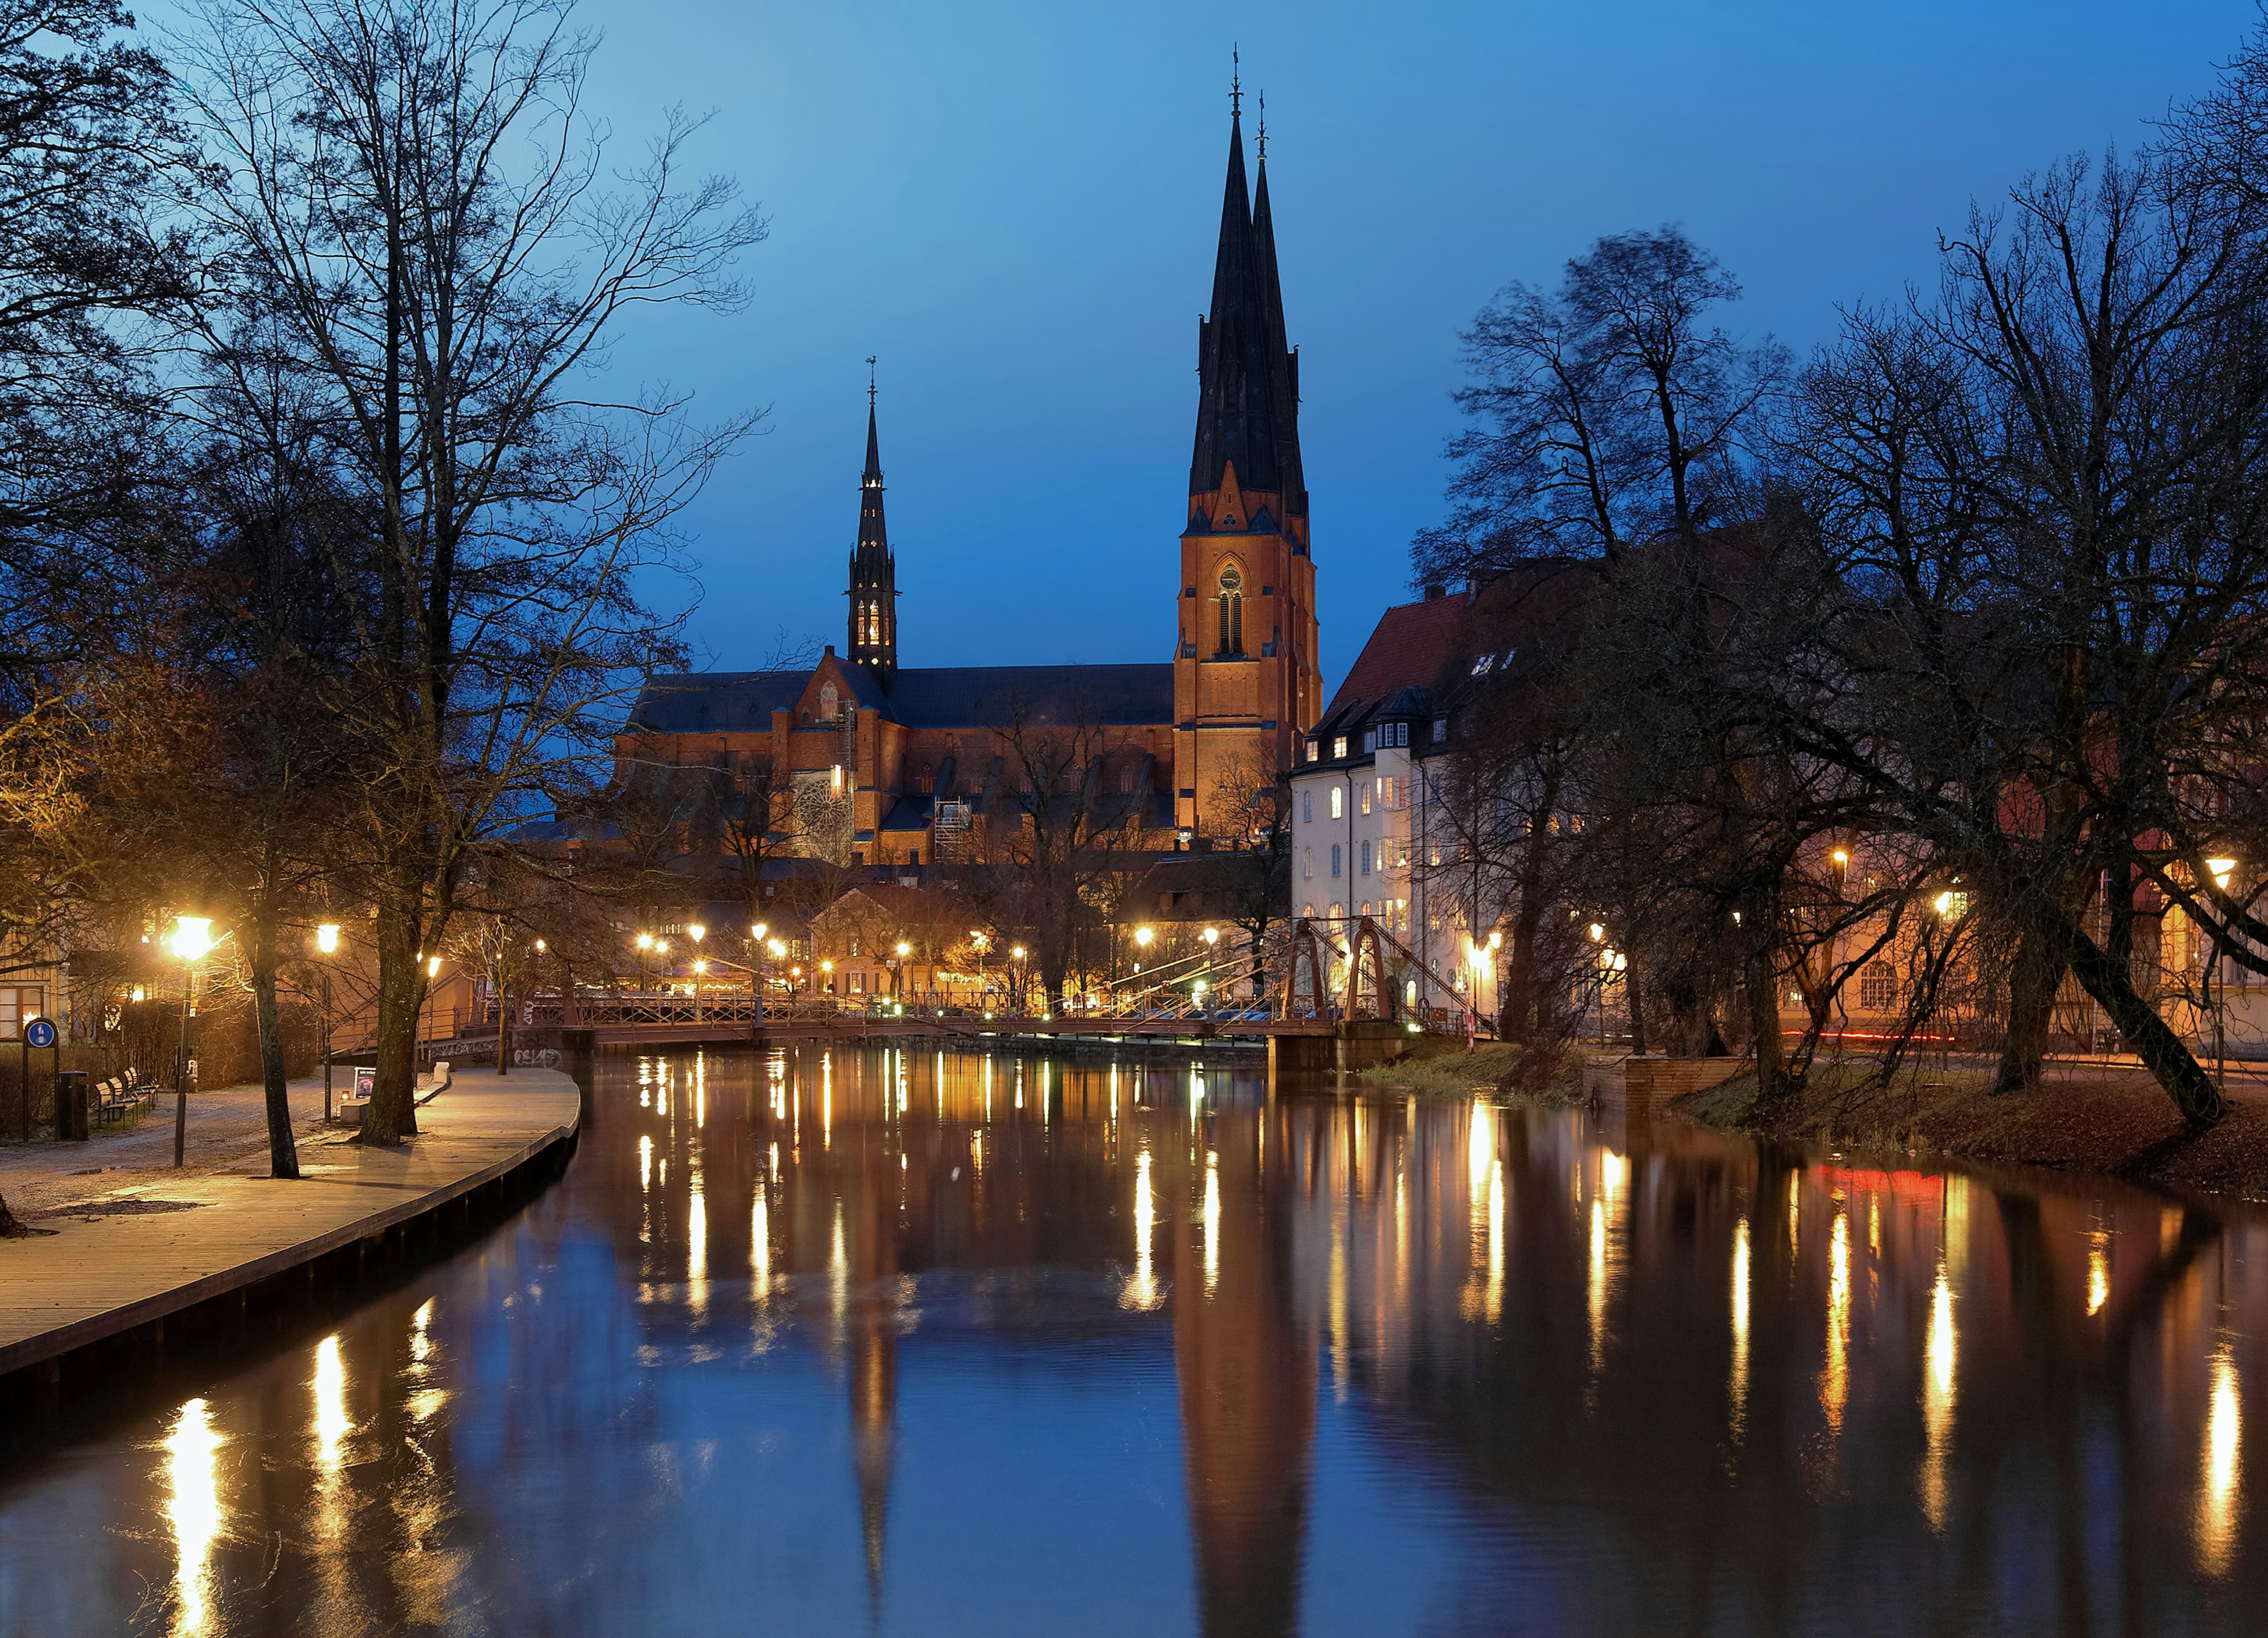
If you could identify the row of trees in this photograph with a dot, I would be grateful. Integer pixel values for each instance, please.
(328, 560)
(1948, 642)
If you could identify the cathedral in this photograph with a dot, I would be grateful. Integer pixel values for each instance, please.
(889, 765)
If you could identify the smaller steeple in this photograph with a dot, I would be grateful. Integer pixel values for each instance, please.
(873, 570)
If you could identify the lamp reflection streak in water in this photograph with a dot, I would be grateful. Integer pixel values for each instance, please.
(1142, 1290)
(1835, 1374)
(697, 1247)
(2217, 1495)
(2098, 1270)
(1937, 1401)
(1614, 1171)
(1213, 1221)
(760, 1248)
(192, 1511)
(1739, 1384)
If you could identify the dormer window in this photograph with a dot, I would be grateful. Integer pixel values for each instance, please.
(1315, 751)
(1338, 746)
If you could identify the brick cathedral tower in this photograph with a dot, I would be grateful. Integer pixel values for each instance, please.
(874, 572)
(1246, 686)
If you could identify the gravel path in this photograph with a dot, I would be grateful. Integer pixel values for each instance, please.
(227, 1132)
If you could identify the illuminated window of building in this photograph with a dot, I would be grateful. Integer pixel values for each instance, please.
(1315, 750)
(1878, 987)
(1306, 864)
(1232, 611)
(1365, 799)
(1308, 909)
(1338, 803)
(1338, 746)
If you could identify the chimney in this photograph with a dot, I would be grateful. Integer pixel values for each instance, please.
(1435, 589)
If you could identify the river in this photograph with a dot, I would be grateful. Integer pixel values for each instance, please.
(907, 1342)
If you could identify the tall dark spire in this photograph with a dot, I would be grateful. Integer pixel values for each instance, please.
(1246, 396)
(873, 570)
(1283, 359)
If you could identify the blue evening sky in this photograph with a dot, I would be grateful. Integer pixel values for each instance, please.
(1014, 207)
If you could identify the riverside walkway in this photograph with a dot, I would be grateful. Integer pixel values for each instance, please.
(117, 1260)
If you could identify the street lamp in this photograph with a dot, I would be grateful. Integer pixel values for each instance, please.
(1017, 955)
(756, 937)
(644, 941)
(2222, 869)
(700, 970)
(192, 941)
(327, 941)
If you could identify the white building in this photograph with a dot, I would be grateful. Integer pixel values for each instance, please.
(1361, 841)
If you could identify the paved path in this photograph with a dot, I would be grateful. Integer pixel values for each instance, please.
(141, 1242)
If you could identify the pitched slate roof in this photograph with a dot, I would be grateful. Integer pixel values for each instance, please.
(715, 702)
(984, 696)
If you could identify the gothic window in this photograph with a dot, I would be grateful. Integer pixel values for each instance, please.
(1232, 611)
(827, 702)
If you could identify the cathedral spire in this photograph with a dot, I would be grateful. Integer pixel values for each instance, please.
(1283, 360)
(1236, 402)
(873, 568)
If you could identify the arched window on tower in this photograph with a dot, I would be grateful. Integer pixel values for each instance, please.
(1232, 611)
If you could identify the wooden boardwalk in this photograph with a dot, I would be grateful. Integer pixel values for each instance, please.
(118, 1263)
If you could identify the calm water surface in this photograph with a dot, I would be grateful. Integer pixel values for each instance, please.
(904, 1343)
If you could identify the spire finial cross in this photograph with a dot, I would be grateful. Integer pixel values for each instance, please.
(1235, 84)
(870, 381)
(1264, 126)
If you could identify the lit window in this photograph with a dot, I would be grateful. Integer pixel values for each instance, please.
(1306, 864)
(1365, 799)
(1878, 987)
(1338, 803)
(1338, 747)
(1315, 750)
(1308, 911)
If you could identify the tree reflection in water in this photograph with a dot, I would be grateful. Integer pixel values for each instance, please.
(935, 1342)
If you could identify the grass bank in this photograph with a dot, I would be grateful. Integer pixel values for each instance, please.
(2120, 1128)
(1440, 1069)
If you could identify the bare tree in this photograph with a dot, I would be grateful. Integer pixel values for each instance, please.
(416, 191)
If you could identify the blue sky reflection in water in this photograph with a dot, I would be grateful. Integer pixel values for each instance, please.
(923, 1344)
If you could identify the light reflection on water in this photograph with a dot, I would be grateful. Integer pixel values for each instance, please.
(1054, 1361)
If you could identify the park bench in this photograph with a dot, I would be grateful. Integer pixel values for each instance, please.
(118, 1096)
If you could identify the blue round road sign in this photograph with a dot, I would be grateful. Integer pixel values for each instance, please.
(40, 1032)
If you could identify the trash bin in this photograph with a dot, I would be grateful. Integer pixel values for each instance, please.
(71, 1115)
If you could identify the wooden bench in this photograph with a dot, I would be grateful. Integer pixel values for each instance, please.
(118, 1096)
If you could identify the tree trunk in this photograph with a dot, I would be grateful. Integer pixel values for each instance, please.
(503, 1021)
(1775, 1088)
(9, 1227)
(392, 1112)
(2162, 1052)
(283, 1148)
(2033, 979)
(1630, 999)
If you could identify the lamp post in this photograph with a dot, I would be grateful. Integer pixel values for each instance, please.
(2222, 869)
(645, 942)
(327, 943)
(756, 937)
(192, 940)
(1017, 980)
